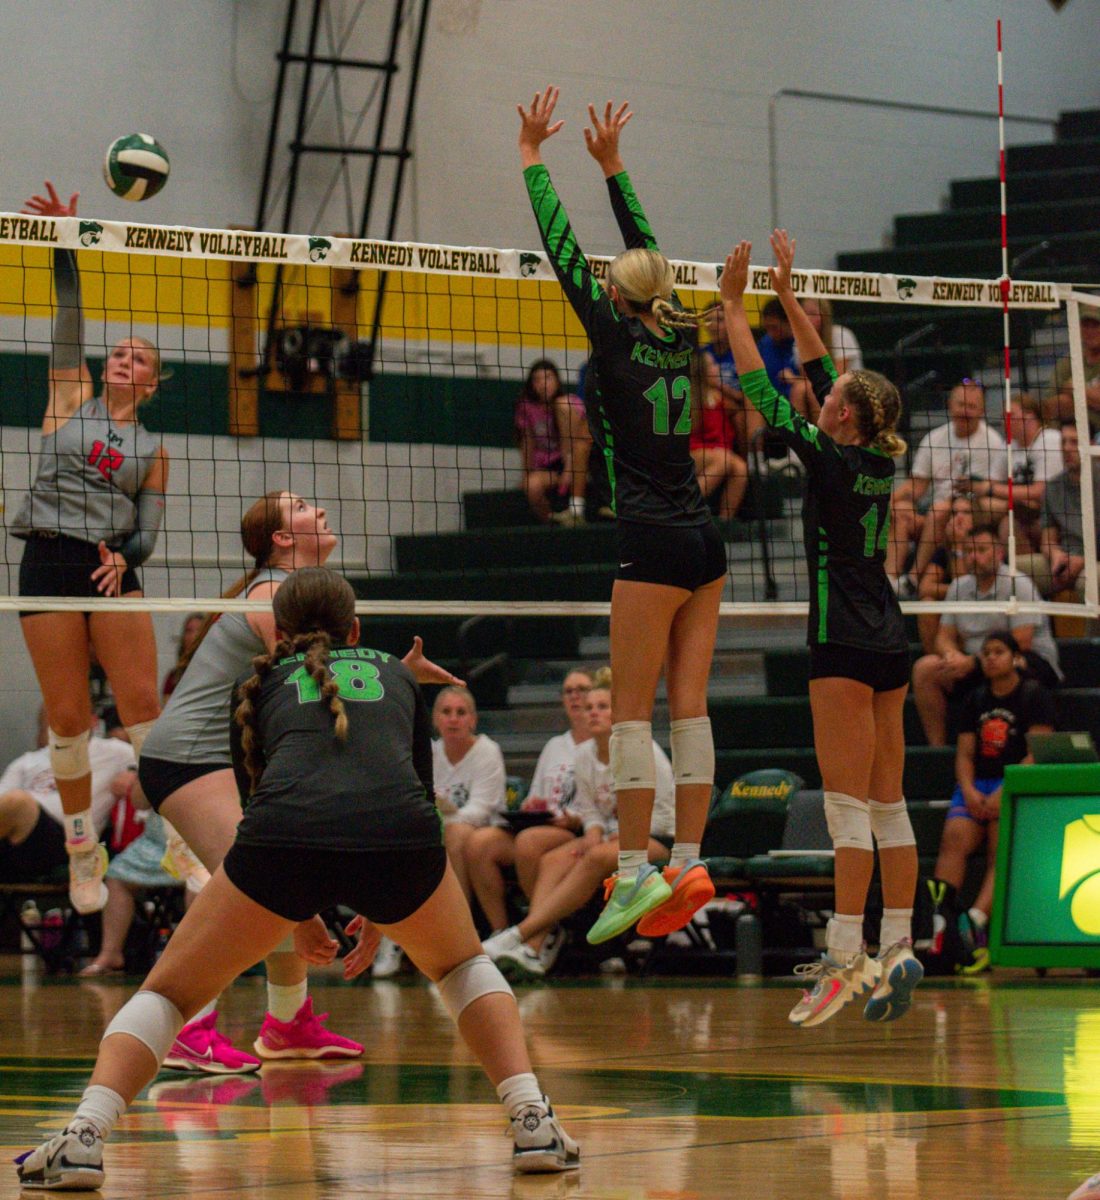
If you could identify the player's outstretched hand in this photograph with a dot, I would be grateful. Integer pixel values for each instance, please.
(361, 955)
(535, 125)
(51, 205)
(735, 274)
(314, 943)
(602, 139)
(426, 671)
(783, 248)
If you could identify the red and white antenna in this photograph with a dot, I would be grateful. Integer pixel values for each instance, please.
(1006, 289)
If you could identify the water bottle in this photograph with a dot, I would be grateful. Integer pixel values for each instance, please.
(750, 956)
(53, 926)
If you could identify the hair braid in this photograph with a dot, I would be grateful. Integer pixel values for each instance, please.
(317, 645)
(878, 410)
(245, 716)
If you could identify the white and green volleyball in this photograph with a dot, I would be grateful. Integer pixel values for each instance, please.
(136, 166)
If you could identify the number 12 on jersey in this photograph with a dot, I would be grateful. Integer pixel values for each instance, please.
(657, 395)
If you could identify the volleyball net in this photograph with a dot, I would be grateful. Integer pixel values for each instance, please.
(380, 379)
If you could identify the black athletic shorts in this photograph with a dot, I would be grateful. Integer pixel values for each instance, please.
(58, 565)
(385, 886)
(880, 671)
(160, 778)
(677, 556)
(41, 854)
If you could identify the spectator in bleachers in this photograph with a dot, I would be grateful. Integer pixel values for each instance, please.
(492, 848)
(555, 443)
(843, 348)
(996, 719)
(1036, 459)
(569, 875)
(32, 837)
(714, 438)
(469, 779)
(954, 669)
(1059, 566)
(950, 458)
(1060, 406)
(718, 348)
(131, 872)
(946, 564)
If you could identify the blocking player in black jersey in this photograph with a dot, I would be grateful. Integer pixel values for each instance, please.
(332, 743)
(859, 660)
(672, 563)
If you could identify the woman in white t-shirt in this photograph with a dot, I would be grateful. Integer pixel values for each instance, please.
(468, 771)
(570, 874)
(492, 848)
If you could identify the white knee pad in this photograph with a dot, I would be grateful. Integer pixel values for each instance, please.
(849, 821)
(151, 1018)
(632, 762)
(69, 755)
(692, 745)
(138, 733)
(890, 824)
(469, 981)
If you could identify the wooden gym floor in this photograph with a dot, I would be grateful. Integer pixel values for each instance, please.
(987, 1090)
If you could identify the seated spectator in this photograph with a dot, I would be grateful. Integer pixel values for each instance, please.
(713, 438)
(949, 459)
(555, 443)
(32, 836)
(953, 669)
(491, 849)
(996, 719)
(192, 624)
(1058, 569)
(947, 562)
(843, 350)
(131, 872)
(746, 420)
(569, 875)
(1059, 407)
(468, 773)
(1036, 459)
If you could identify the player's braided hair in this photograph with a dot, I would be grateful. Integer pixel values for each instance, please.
(645, 280)
(877, 406)
(314, 609)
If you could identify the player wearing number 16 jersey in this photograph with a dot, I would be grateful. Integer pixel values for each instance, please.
(672, 563)
(859, 661)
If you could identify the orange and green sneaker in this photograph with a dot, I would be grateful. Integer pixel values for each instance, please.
(691, 889)
(627, 901)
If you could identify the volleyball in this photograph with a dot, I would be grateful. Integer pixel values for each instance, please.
(136, 166)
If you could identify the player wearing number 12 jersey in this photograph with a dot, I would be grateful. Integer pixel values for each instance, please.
(859, 661)
(672, 563)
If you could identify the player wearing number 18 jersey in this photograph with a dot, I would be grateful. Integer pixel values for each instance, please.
(859, 663)
(672, 563)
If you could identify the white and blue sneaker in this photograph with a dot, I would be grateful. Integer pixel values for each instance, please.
(901, 972)
(540, 1142)
(71, 1161)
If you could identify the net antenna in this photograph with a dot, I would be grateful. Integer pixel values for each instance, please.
(1006, 292)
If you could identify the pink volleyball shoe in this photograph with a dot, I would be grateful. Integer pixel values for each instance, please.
(200, 1047)
(303, 1037)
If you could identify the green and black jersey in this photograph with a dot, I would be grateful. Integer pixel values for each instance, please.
(640, 382)
(845, 521)
(372, 791)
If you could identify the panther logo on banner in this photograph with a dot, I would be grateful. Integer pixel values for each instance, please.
(529, 264)
(318, 249)
(90, 233)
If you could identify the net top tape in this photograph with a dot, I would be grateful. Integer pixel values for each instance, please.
(77, 233)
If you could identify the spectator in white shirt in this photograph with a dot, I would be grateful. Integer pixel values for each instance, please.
(950, 458)
(492, 848)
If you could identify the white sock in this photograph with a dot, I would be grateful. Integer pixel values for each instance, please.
(102, 1106)
(576, 505)
(683, 852)
(518, 1092)
(844, 937)
(631, 862)
(283, 1002)
(977, 918)
(897, 925)
(79, 827)
(205, 1011)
